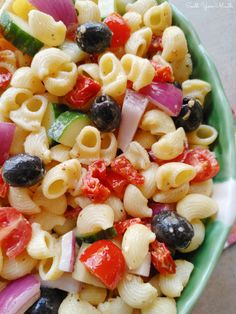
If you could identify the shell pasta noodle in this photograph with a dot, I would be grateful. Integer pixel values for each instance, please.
(112, 75)
(88, 145)
(135, 255)
(41, 244)
(138, 70)
(173, 175)
(24, 77)
(29, 116)
(50, 32)
(197, 89)
(88, 11)
(139, 42)
(36, 144)
(135, 203)
(157, 122)
(103, 159)
(140, 6)
(135, 292)
(158, 18)
(60, 178)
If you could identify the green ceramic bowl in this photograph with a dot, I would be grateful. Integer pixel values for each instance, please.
(219, 116)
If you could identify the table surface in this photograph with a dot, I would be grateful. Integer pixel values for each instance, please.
(215, 22)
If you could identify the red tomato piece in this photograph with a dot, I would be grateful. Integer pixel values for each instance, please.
(4, 187)
(72, 213)
(155, 46)
(105, 261)
(120, 29)
(116, 183)
(94, 189)
(15, 231)
(162, 259)
(204, 162)
(123, 166)
(5, 78)
(98, 169)
(122, 226)
(82, 93)
(163, 73)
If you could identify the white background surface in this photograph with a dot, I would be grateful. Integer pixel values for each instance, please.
(215, 22)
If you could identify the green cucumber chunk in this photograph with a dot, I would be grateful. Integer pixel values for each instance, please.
(109, 233)
(17, 31)
(67, 126)
(52, 113)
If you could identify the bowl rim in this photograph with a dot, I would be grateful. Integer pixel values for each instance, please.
(221, 226)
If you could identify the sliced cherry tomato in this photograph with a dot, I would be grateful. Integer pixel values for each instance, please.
(105, 261)
(83, 92)
(204, 162)
(162, 73)
(120, 29)
(116, 183)
(162, 259)
(72, 213)
(155, 46)
(98, 169)
(94, 189)
(5, 78)
(4, 187)
(122, 166)
(15, 231)
(122, 226)
(130, 84)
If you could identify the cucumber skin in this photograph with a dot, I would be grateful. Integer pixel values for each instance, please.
(18, 37)
(62, 122)
(107, 234)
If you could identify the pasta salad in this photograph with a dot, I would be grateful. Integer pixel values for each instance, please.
(106, 172)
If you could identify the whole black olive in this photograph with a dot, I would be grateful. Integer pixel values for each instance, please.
(48, 303)
(172, 229)
(94, 37)
(191, 115)
(23, 170)
(105, 113)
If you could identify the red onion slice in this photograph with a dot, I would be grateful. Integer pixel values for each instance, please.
(7, 131)
(68, 249)
(19, 295)
(132, 111)
(165, 96)
(159, 207)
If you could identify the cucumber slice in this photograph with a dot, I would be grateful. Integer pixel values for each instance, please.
(106, 7)
(52, 113)
(109, 233)
(17, 31)
(67, 126)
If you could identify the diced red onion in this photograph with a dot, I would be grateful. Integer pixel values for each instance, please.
(65, 283)
(60, 10)
(132, 111)
(165, 96)
(159, 207)
(68, 249)
(19, 295)
(144, 269)
(7, 131)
